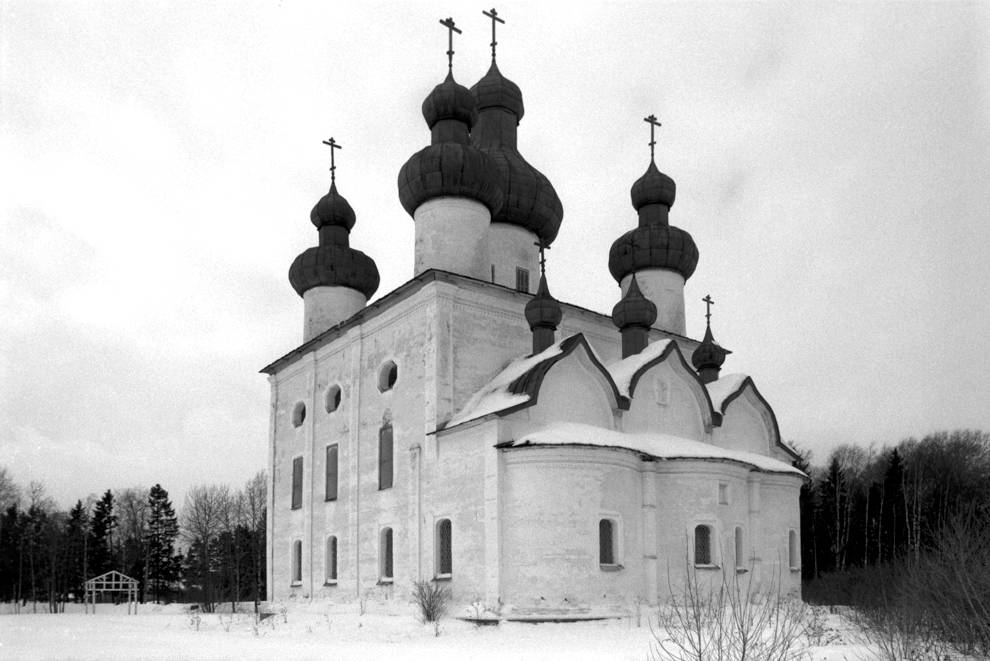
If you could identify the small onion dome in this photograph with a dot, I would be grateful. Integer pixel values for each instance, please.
(333, 211)
(634, 309)
(654, 187)
(497, 91)
(334, 266)
(530, 200)
(451, 169)
(448, 100)
(653, 246)
(543, 310)
(708, 354)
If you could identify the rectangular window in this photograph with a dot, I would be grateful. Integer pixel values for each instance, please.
(702, 545)
(331, 560)
(444, 555)
(385, 457)
(331, 485)
(296, 562)
(723, 493)
(385, 556)
(606, 542)
(522, 280)
(297, 478)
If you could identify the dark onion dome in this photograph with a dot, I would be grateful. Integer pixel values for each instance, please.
(634, 309)
(654, 187)
(450, 166)
(333, 211)
(530, 200)
(655, 243)
(334, 263)
(497, 91)
(708, 355)
(543, 310)
(448, 100)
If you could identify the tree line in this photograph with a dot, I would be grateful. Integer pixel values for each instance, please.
(213, 552)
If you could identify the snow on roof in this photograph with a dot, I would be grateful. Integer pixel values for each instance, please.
(495, 395)
(622, 372)
(721, 389)
(660, 446)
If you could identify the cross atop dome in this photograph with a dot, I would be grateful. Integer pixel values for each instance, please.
(495, 19)
(654, 123)
(333, 166)
(451, 29)
(709, 302)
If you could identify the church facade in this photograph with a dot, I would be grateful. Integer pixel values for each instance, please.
(538, 458)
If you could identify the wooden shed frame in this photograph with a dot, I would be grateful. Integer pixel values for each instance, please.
(112, 581)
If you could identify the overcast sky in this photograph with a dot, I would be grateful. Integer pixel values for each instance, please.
(159, 163)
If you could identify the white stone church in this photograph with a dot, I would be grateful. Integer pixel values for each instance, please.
(540, 459)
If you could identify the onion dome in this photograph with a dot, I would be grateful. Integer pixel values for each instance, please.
(333, 211)
(333, 263)
(530, 200)
(450, 166)
(634, 309)
(543, 310)
(655, 243)
(708, 357)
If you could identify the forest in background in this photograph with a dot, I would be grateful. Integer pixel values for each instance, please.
(213, 552)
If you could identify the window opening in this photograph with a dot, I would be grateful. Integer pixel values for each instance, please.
(331, 559)
(385, 554)
(297, 478)
(740, 560)
(333, 398)
(331, 472)
(298, 414)
(387, 376)
(723, 493)
(297, 562)
(444, 548)
(792, 550)
(385, 457)
(702, 545)
(522, 280)
(606, 542)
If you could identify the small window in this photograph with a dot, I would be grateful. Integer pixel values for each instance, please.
(387, 376)
(740, 559)
(297, 479)
(332, 398)
(385, 457)
(793, 552)
(723, 493)
(385, 556)
(702, 545)
(444, 549)
(297, 562)
(522, 280)
(331, 477)
(298, 414)
(607, 540)
(331, 563)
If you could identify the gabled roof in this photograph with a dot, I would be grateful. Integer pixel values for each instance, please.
(725, 390)
(111, 579)
(518, 385)
(661, 447)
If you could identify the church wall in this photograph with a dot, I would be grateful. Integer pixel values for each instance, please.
(572, 392)
(553, 500)
(780, 513)
(744, 426)
(663, 402)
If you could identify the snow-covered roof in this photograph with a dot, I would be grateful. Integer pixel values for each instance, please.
(660, 446)
(496, 394)
(723, 388)
(623, 371)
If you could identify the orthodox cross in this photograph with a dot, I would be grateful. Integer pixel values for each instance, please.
(654, 123)
(451, 29)
(333, 166)
(495, 19)
(708, 309)
(543, 256)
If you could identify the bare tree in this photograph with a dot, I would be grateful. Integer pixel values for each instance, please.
(131, 505)
(203, 517)
(255, 503)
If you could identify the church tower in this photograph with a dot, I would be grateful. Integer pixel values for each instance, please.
(661, 256)
(334, 280)
(532, 211)
(450, 188)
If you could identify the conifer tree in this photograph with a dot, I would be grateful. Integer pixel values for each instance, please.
(101, 533)
(76, 548)
(163, 528)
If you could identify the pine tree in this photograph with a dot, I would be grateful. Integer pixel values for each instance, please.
(101, 532)
(163, 528)
(76, 548)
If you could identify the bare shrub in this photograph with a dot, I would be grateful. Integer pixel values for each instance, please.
(432, 599)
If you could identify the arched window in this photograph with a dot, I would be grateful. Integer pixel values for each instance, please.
(332, 398)
(298, 414)
(331, 560)
(385, 556)
(297, 562)
(702, 545)
(740, 559)
(793, 552)
(444, 549)
(385, 456)
(387, 376)
(607, 542)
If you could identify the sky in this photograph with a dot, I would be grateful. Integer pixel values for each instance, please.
(159, 162)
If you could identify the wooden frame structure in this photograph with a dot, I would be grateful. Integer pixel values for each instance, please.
(112, 581)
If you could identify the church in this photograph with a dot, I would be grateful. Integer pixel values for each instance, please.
(538, 459)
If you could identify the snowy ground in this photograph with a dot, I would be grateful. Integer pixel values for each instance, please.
(320, 631)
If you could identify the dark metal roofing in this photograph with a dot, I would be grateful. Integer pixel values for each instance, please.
(653, 246)
(450, 100)
(543, 310)
(634, 309)
(708, 354)
(334, 266)
(333, 210)
(654, 187)
(497, 91)
(450, 168)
